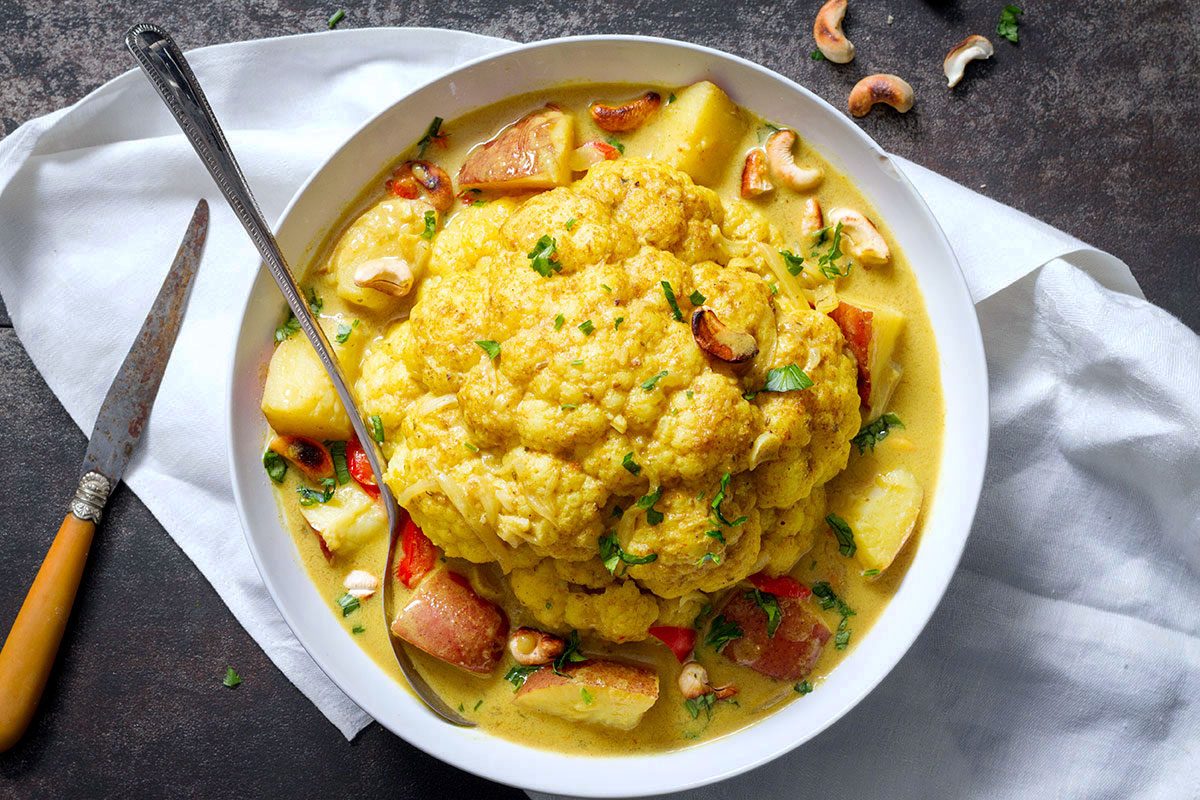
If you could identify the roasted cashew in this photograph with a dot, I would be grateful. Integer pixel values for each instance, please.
(388, 274)
(361, 584)
(827, 31)
(863, 241)
(625, 117)
(424, 180)
(783, 163)
(969, 49)
(719, 340)
(529, 646)
(755, 180)
(881, 88)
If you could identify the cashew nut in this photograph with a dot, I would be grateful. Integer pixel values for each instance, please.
(827, 30)
(423, 179)
(863, 241)
(783, 163)
(625, 117)
(388, 274)
(719, 340)
(693, 680)
(530, 646)
(361, 584)
(969, 49)
(754, 175)
(882, 88)
(813, 221)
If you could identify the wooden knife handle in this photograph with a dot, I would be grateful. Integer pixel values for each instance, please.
(29, 650)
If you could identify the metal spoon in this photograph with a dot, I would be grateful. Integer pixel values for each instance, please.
(163, 62)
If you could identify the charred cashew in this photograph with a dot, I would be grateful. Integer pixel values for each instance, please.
(863, 241)
(827, 30)
(813, 221)
(755, 180)
(625, 117)
(783, 164)
(530, 646)
(424, 180)
(969, 49)
(388, 274)
(719, 340)
(881, 88)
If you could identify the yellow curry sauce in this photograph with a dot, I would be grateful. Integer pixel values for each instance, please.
(668, 723)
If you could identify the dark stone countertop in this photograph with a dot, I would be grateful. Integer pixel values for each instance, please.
(1088, 124)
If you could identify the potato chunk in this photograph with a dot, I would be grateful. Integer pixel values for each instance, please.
(697, 133)
(298, 397)
(532, 153)
(596, 691)
(872, 333)
(883, 515)
(349, 519)
(791, 652)
(447, 619)
(391, 228)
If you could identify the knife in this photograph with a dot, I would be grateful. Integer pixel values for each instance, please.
(32, 643)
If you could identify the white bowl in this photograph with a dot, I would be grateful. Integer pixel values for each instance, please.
(951, 507)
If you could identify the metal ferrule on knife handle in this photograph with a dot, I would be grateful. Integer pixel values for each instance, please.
(91, 497)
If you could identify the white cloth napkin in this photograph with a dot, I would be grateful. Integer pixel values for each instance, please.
(1065, 659)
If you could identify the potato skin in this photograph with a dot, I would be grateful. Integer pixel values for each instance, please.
(791, 653)
(447, 619)
(617, 694)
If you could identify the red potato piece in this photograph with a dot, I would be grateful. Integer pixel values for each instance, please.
(532, 153)
(449, 621)
(856, 327)
(595, 691)
(872, 334)
(791, 653)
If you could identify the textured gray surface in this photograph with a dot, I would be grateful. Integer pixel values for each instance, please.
(1088, 124)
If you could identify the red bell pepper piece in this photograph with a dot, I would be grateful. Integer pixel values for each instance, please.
(360, 467)
(418, 557)
(783, 586)
(681, 640)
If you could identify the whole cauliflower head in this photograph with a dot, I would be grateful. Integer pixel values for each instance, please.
(600, 418)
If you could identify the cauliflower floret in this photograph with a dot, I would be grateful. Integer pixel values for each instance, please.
(600, 396)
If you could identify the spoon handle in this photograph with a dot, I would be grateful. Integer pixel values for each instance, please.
(163, 62)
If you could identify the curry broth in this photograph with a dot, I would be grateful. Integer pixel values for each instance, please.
(668, 724)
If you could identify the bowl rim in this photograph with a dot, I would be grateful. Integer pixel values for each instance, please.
(650, 779)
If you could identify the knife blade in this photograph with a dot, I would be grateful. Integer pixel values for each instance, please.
(32, 642)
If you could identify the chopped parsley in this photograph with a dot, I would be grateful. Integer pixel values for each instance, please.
(357, 629)
(559, 319)
(433, 134)
(793, 262)
(704, 702)
(489, 346)
(430, 226)
(231, 680)
(875, 432)
(845, 536)
(290, 326)
(569, 406)
(517, 675)
(841, 639)
(827, 262)
(722, 632)
(617, 323)
(770, 606)
(817, 55)
(478, 703)
(376, 428)
(570, 223)
(577, 362)
(570, 653)
(671, 301)
(870, 573)
(336, 17)
(585, 695)
(587, 326)
(828, 599)
(275, 465)
(719, 499)
(787, 379)
(1007, 26)
(471, 447)
(628, 463)
(541, 257)
(696, 298)
(315, 302)
(652, 381)
(671, 99)
(646, 503)
(311, 497)
(615, 142)
(337, 451)
(606, 287)
(348, 603)
(344, 331)
(709, 558)
(716, 533)
(803, 687)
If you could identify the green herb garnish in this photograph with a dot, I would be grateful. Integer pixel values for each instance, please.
(570, 653)
(828, 599)
(376, 428)
(311, 497)
(613, 555)
(615, 142)
(845, 536)
(841, 639)
(770, 606)
(517, 675)
(696, 298)
(716, 533)
(348, 603)
(559, 319)
(628, 463)
(710, 558)
(803, 687)
(336, 17)
(489, 346)
(787, 379)
(671, 301)
(586, 695)
(876, 432)
(646, 503)
(722, 632)
(719, 499)
(478, 704)
(569, 406)
(704, 702)
(315, 302)
(570, 223)
(231, 680)
(606, 288)
(290, 326)
(1007, 26)
(357, 629)
(652, 381)
(587, 326)
(541, 257)
(577, 362)
(671, 99)
(817, 55)
(344, 331)
(275, 465)
(431, 135)
(793, 262)
(430, 226)
(827, 263)
(870, 573)
(337, 451)
(471, 447)
(617, 323)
